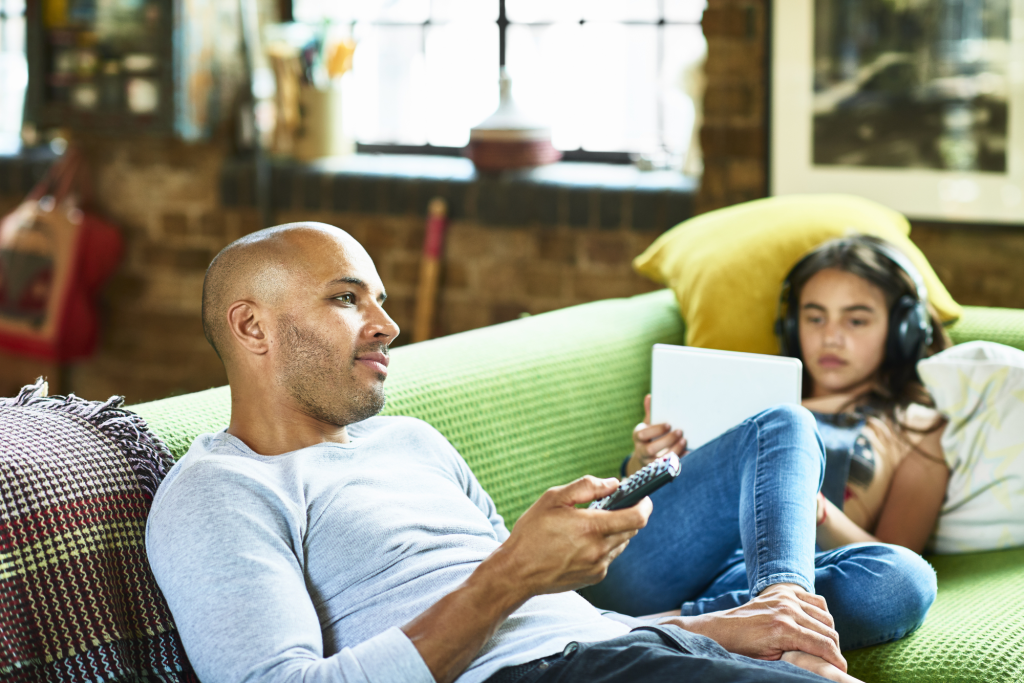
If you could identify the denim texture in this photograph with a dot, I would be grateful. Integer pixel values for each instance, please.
(741, 517)
(653, 654)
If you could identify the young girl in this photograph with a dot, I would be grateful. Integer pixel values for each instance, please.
(885, 475)
(853, 310)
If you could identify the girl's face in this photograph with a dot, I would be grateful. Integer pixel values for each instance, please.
(843, 325)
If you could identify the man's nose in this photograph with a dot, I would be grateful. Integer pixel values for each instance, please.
(384, 326)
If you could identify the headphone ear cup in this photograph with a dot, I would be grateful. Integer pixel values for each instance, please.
(790, 336)
(909, 332)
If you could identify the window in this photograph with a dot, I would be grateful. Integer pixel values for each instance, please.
(606, 75)
(13, 73)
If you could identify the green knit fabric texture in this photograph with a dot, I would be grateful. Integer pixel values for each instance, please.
(541, 401)
(1003, 325)
(179, 420)
(974, 632)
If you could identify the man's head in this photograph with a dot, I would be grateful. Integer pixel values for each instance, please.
(297, 310)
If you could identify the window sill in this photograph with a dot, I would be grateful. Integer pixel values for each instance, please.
(586, 195)
(575, 194)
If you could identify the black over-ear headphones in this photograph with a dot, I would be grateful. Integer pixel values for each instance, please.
(910, 326)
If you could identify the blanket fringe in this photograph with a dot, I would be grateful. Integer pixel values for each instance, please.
(149, 457)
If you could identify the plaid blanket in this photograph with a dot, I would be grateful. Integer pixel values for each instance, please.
(77, 599)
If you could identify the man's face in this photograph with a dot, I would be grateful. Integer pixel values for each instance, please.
(332, 334)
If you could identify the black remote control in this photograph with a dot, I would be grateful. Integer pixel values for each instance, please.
(643, 483)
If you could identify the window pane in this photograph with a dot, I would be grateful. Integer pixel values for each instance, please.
(388, 85)
(529, 11)
(604, 85)
(13, 80)
(462, 80)
(13, 38)
(12, 7)
(408, 11)
(682, 77)
(623, 105)
(686, 11)
(533, 11)
(312, 11)
(464, 10)
(403, 11)
(596, 84)
(617, 10)
(540, 62)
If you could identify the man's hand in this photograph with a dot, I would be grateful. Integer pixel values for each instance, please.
(555, 547)
(783, 618)
(817, 665)
(653, 441)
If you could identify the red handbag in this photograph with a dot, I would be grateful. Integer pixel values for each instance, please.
(54, 258)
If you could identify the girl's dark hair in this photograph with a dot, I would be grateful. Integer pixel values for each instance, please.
(898, 384)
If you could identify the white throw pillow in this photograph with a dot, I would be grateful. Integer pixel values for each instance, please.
(979, 386)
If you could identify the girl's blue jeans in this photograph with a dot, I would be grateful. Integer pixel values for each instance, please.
(740, 517)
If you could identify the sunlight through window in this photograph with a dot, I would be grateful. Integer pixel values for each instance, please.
(606, 75)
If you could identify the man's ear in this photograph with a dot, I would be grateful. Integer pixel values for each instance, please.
(247, 324)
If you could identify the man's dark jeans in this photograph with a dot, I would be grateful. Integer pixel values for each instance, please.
(651, 653)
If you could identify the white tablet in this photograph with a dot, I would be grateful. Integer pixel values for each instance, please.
(705, 392)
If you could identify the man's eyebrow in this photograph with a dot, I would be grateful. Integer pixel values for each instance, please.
(348, 280)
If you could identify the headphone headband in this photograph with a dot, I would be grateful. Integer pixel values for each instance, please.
(904, 264)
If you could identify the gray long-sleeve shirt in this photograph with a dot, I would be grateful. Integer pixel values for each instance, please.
(303, 566)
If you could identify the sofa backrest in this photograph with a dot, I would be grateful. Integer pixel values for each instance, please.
(1001, 325)
(530, 404)
(535, 402)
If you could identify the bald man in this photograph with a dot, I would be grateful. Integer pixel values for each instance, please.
(313, 541)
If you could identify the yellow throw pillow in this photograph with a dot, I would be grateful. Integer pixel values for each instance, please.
(726, 267)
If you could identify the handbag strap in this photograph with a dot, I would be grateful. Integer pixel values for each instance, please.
(65, 174)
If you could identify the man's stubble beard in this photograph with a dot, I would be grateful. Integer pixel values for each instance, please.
(323, 385)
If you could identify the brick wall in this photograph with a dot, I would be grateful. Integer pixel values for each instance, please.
(733, 136)
(980, 265)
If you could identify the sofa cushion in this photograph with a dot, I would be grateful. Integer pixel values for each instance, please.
(77, 599)
(726, 267)
(974, 632)
(979, 387)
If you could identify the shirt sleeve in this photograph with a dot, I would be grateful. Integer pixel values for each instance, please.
(226, 550)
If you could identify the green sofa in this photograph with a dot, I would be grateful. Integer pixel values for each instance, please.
(543, 400)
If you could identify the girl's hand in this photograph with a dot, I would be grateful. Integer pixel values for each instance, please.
(652, 441)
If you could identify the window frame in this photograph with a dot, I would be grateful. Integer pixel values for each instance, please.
(596, 156)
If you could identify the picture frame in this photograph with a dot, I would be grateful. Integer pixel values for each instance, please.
(917, 104)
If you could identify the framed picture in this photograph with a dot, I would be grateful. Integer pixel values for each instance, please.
(917, 104)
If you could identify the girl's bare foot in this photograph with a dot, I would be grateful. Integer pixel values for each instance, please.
(818, 666)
